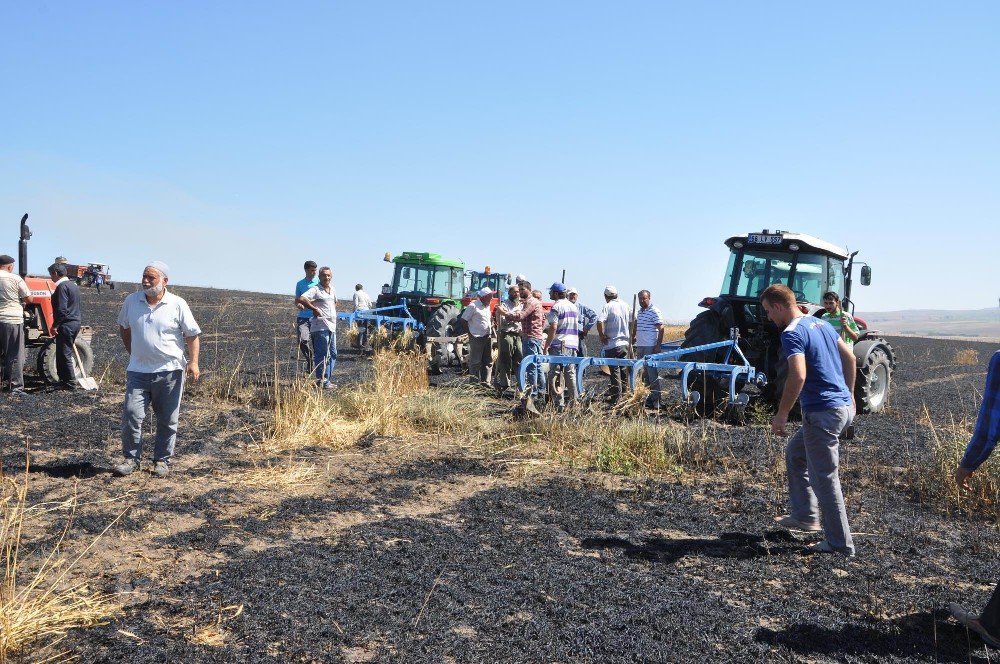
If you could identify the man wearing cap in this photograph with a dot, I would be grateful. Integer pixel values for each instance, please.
(14, 294)
(509, 340)
(532, 319)
(362, 301)
(66, 321)
(479, 320)
(588, 318)
(649, 331)
(155, 325)
(563, 339)
(305, 315)
(321, 300)
(613, 328)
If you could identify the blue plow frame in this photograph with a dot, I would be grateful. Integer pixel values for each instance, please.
(379, 317)
(669, 360)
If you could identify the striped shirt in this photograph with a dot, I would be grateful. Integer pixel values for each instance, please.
(646, 322)
(565, 316)
(987, 431)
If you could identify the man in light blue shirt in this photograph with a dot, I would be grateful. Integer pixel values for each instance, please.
(305, 314)
(155, 326)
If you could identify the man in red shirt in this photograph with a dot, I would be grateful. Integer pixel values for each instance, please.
(532, 319)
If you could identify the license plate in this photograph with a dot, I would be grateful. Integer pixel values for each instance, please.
(758, 238)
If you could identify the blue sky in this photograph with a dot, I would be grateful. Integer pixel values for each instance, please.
(621, 142)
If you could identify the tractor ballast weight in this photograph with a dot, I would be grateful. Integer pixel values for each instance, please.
(39, 319)
(810, 267)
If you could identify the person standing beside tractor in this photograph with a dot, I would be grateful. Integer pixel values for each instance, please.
(321, 300)
(66, 324)
(304, 316)
(532, 319)
(614, 330)
(509, 340)
(155, 325)
(14, 294)
(821, 373)
(841, 321)
(562, 339)
(478, 317)
(362, 302)
(588, 319)
(649, 332)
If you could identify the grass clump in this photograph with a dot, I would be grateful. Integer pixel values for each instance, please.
(966, 357)
(38, 605)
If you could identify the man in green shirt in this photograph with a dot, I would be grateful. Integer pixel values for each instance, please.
(841, 321)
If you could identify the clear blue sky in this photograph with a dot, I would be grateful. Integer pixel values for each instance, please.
(619, 141)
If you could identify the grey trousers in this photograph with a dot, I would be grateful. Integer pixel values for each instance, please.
(481, 358)
(652, 376)
(568, 372)
(305, 341)
(12, 352)
(813, 459)
(162, 391)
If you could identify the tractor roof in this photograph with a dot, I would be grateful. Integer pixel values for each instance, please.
(805, 241)
(426, 258)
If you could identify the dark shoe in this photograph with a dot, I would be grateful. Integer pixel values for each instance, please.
(790, 522)
(972, 622)
(127, 468)
(160, 468)
(824, 546)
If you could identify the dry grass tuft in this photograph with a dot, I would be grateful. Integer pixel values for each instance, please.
(966, 356)
(38, 606)
(288, 476)
(674, 332)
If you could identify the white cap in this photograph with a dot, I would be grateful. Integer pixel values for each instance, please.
(519, 278)
(572, 291)
(160, 267)
(483, 292)
(610, 291)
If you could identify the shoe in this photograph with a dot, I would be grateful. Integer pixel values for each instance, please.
(790, 522)
(824, 546)
(966, 618)
(127, 468)
(160, 468)
(329, 386)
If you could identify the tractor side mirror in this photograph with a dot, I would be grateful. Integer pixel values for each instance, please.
(508, 280)
(866, 275)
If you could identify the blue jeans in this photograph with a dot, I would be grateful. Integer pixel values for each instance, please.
(535, 379)
(324, 354)
(162, 391)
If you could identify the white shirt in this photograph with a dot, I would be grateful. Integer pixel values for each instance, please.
(477, 315)
(158, 332)
(12, 289)
(511, 307)
(616, 317)
(326, 319)
(362, 301)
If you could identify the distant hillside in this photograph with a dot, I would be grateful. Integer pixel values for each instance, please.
(979, 324)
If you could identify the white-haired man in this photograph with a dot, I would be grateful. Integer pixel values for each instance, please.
(155, 326)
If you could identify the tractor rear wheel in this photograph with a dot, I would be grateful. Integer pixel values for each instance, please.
(874, 378)
(706, 328)
(46, 363)
(444, 322)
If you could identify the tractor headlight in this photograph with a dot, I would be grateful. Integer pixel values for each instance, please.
(793, 247)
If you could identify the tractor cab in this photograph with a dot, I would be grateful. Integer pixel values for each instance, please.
(495, 281)
(424, 281)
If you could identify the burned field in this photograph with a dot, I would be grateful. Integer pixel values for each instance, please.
(430, 546)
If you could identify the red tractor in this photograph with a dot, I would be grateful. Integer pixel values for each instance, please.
(38, 318)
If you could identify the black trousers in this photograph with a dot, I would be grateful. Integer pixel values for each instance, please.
(65, 339)
(619, 375)
(990, 616)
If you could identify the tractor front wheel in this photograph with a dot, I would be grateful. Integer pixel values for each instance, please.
(874, 378)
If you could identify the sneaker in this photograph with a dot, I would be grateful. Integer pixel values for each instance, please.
(790, 522)
(329, 386)
(824, 546)
(966, 618)
(160, 468)
(127, 468)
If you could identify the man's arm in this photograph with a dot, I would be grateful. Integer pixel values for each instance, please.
(850, 364)
(600, 332)
(194, 349)
(849, 327)
(126, 335)
(793, 387)
(660, 331)
(306, 304)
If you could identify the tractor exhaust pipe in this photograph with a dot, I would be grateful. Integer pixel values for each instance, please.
(22, 247)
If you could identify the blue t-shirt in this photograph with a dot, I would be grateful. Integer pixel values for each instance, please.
(824, 388)
(301, 286)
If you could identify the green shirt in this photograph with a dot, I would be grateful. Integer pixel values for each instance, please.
(834, 320)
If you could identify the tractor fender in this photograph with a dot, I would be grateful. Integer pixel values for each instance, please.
(864, 348)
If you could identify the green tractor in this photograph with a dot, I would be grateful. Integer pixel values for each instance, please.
(432, 288)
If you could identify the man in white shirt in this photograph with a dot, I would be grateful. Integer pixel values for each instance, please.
(14, 294)
(649, 340)
(362, 301)
(613, 328)
(478, 317)
(509, 340)
(322, 301)
(155, 325)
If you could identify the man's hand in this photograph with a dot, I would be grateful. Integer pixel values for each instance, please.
(603, 338)
(778, 424)
(658, 348)
(962, 476)
(843, 320)
(194, 371)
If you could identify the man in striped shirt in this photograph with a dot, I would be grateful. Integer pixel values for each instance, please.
(648, 341)
(562, 339)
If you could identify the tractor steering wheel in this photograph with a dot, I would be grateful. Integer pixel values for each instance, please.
(800, 296)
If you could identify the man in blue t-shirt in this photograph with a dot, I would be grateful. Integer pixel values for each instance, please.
(305, 315)
(821, 372)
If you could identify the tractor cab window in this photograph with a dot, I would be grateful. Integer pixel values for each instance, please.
(456, 282)
(413, 279)
(806, 274)
(809, 282)
(835, 275)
